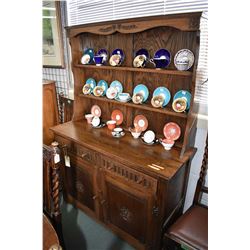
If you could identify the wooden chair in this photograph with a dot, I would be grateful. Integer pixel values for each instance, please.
(191, 229)
(51, 199)
(65, 108)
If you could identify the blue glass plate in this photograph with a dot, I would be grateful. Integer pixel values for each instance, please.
(163, 54)
(104, 85)
(119, 52)
(116, 84)
(163, 91)
(104, 53)
(143, 89)
(91, 82)
(90, 52)
(185, 94)
(142, 52)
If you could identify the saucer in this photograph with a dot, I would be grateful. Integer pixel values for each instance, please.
(142, 52)
(163, 54)
(111, 93)
(88, 56)
(117, 116)
(116, 84)
(101, 125)
(91, 82)
(172, 131)
(104, 54)
(141, 122)
(184, 59)
(119, 100)
(120, 53)
(96, 110)
(164, 92)
(183, 94)
(141, 88)
(155, 141)
(103, 84)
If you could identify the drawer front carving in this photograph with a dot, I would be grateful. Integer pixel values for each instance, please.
(127, 211)
(80, 185)
(140, 180)
(76, 149)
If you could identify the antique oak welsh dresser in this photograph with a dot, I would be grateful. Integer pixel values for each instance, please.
(117, 181)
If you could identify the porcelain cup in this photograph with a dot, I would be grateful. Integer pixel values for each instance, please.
(139, 61)
(115, 60)
(149, 136)
(179, 105)
(117, 131)
(86, 89)
(167, 143)
(98, 60)
(159, 62)
(157, 101)
(96, 121)
(98, 91)
(89, 118)
(137, 98)
(111, 124)
(124, 96)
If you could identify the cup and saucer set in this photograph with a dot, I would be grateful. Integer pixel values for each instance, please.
(140, 94)
(94, 118)
(116, 120)
(89, 57)
(181, 101)
(117, 57)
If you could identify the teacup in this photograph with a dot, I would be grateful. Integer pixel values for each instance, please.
(111, 92)
(135, 132)
(123, 96)
(159, 62)
(86, 89)
(157, 101)
(96, 121)
(115, 60)
(167, 143)
(137, 98)
(139, 61)
(98, 60)
(149, 136)
(85, 59)
(89, 118)
(98, 91)
(111, 124)
(179, 105)
(117, 131)
(183, 63)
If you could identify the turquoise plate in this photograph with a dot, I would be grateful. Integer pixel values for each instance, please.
(103, 84)
(183, 94)
(163, 91)
(116, 84)
(143, 89)
(91, 82)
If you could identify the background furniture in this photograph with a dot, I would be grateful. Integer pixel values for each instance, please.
(132, 188)
(50, 111)
(51, 199)
(65, 108)
(191, 229)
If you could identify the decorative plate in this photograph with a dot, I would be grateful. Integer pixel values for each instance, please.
(103, 84)
(120, 53)
(117, 116)
(91, 82)
(183, 94)
(163, 54)
(164, 92)
(141, 122)
(104, 53)
(141, 88)
(172, 131)
(142, 52)
(116, 84)
(96, 110)
(184, 59)
(111, 92)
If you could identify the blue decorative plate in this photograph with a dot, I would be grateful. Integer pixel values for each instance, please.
(103, 84)
(142, 89)
(163, 91)
(91, 82)
(104, 53)
(163, 54)
(119, 52)
(183, 94)
(90, 52)
(142, 52)
(116, 84)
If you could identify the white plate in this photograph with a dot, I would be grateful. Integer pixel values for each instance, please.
(184, 59)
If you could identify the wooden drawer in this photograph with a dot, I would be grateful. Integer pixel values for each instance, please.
(87, 155)
(129, 176)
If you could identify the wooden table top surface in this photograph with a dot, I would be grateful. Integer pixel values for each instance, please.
(126, 149)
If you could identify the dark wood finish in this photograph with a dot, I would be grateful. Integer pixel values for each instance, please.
(50, 111)
(137, 189)
(65, 108)
(50, 237)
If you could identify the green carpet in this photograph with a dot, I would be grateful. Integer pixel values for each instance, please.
(83, 233)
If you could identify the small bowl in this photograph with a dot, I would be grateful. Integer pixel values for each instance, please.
(89, 118)
(123, 96)
(111, 124)
(98, 60)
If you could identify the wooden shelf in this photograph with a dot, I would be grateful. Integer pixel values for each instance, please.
(131, 69)
(145, 106)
